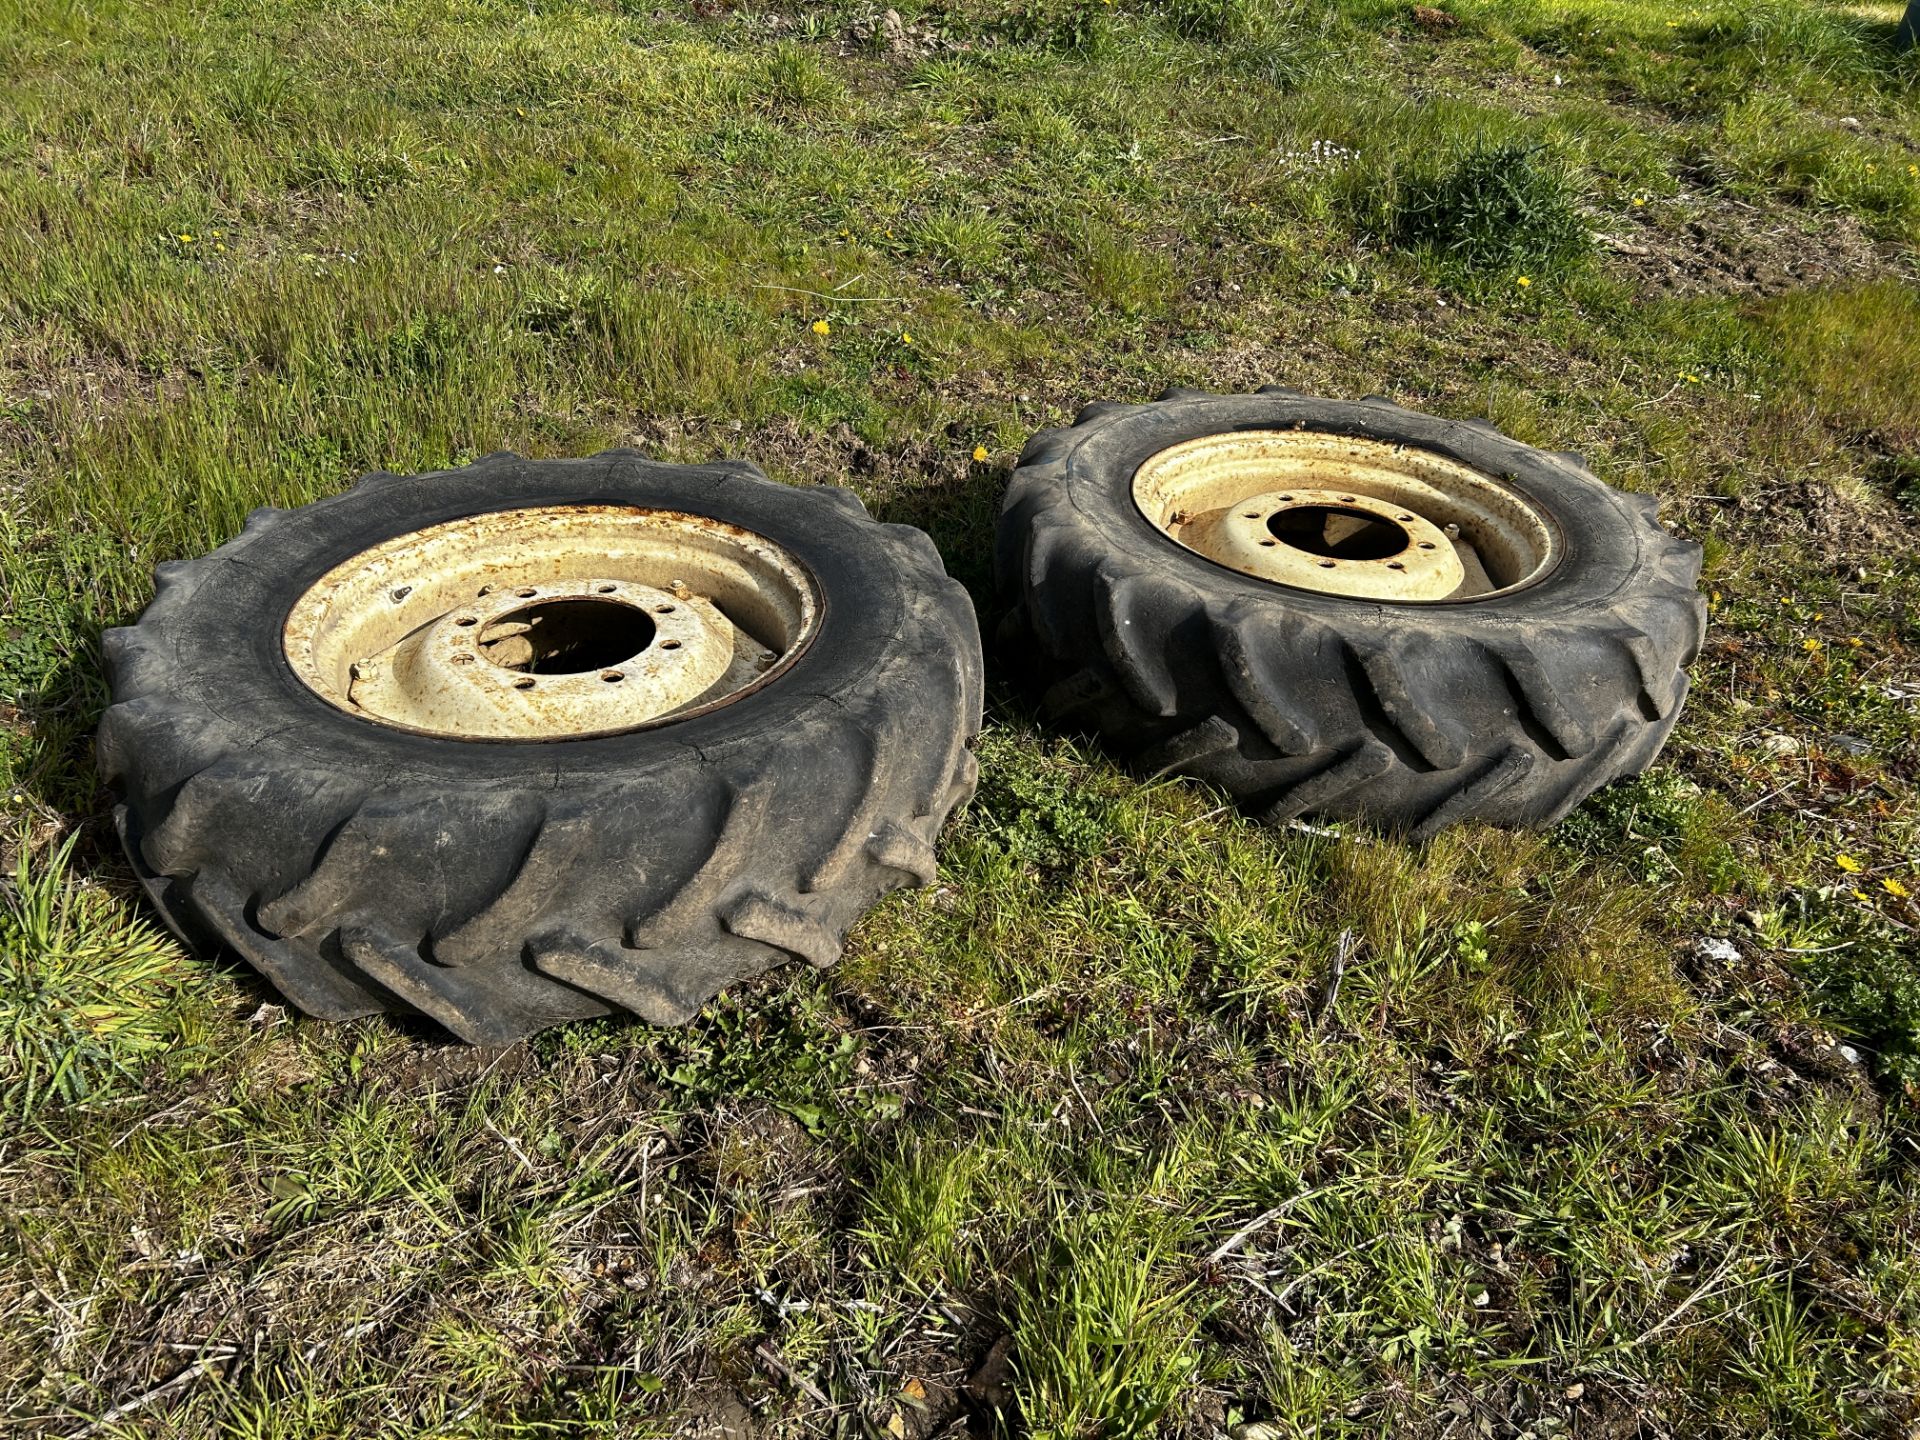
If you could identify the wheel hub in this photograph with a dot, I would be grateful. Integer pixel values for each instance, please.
(552, 623)
(1345, 515)
(491, 670)
(1339, 542)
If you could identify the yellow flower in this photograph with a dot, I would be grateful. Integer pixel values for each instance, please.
(1854, 641)
(184, 238)
(979, 454)
(1810, 645)
(906, 337)
(1523, 282)
(1714, 598)
(220, 249)
(1859, 895)
(1894, 888)
(1847, 863)
(821, 327)
(1638, 201)
(1691, 379)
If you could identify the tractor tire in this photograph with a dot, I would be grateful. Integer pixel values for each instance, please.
(1191, 631)
(498, 866)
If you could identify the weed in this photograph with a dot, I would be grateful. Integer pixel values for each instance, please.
(966, 244)
(916, 1220)
(1036, 813)
(792, 76)
(87, 995)
(1211, 20)
(1102, 1345)
(1115, 270)
(1662, 824)
(1865, 969)
(1501, 206)
(1068, 25)
(791, 1056)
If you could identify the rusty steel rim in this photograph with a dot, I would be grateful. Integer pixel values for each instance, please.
(553, 622)
(1345, 515)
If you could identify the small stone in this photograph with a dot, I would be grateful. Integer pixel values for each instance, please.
(1780, 745)
(1851, 744)
(1713, 947)
(1575, 1390)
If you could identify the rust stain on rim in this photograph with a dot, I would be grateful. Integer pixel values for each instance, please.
(1346, 515)
(554, 622)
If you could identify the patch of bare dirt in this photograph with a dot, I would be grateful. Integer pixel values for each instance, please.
(1842, 527)
(716, 1413)
(1704, 244)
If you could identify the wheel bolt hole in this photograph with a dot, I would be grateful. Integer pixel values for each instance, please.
(663, 609)
(466, 620)
(526, 594)
(402, 593)
(612, 677)
(1250, 514)
(523, 684)
(1395, 565)
(1403, 517)
(669, 644)
(1426, 544)
(608, 589)
(1269, 542)
(1328, 564)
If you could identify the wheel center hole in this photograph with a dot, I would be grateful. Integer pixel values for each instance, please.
(1337, 532)
(567, 637)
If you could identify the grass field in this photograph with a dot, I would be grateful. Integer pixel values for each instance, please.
(1610, 1132)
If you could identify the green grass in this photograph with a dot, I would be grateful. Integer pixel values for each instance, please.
(1541, 1161)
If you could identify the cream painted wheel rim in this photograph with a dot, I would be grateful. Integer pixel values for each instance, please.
(1345, 515)
(552, 622)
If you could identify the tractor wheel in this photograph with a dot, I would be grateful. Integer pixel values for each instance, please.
(532, 741)
(1346, 609)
